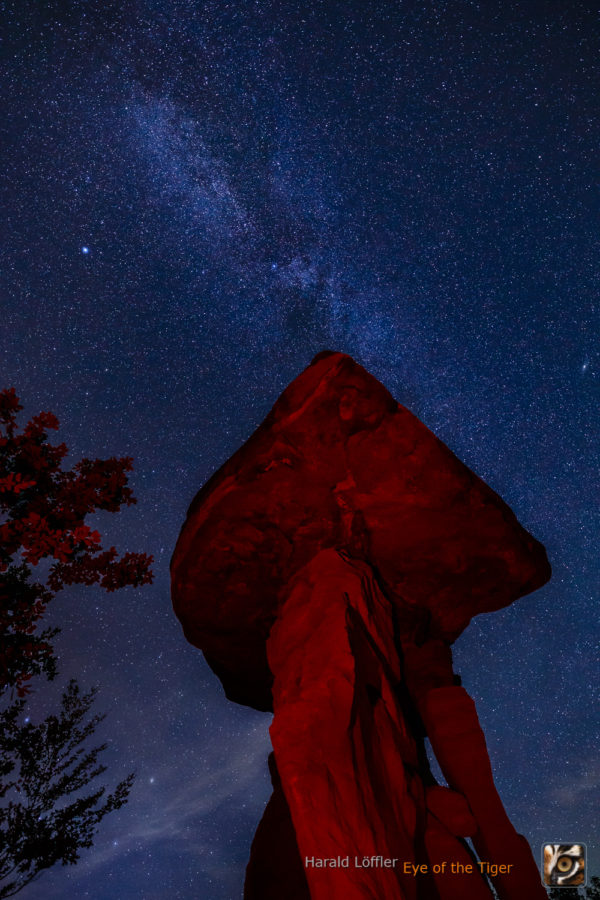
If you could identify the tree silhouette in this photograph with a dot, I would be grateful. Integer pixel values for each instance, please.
(41, 766)
(591, 892)
(45, 767)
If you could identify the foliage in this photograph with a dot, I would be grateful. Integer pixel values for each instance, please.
(40, 767)
(42, 516)
(44, 768)
(591, 892)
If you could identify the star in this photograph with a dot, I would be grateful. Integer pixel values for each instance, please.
(387, 201)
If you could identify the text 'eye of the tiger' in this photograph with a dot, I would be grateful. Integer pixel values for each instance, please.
(564, 863)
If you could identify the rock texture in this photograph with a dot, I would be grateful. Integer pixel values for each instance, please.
(325, 570)
(338, 463)
(352, 771)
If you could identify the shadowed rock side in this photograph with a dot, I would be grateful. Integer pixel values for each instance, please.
(338, 463)
(325, 570)
(275, 870)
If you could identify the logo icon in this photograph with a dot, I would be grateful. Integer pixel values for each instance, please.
(563, 865)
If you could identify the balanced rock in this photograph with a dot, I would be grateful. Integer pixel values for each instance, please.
(338, 463)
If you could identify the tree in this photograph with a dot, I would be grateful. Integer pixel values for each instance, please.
(43, 768)
(591, 892)
(43, 510)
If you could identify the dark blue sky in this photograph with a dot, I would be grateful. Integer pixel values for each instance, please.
(197, 198)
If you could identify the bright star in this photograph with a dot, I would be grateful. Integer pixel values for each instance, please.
(85, 250)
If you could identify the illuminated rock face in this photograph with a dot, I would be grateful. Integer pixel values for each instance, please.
(325, 570)
(338, 463)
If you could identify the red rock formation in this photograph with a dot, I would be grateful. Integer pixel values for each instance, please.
(451, 724)
(324, 570)
(275, 870)
(338, 463)
(343, 745)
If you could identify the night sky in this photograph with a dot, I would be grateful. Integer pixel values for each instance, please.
(197, 197)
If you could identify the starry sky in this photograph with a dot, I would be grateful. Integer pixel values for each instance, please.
(197, 197)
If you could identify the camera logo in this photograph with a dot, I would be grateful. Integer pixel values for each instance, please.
(563, 865)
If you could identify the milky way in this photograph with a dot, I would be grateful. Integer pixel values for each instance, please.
(199, 197)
